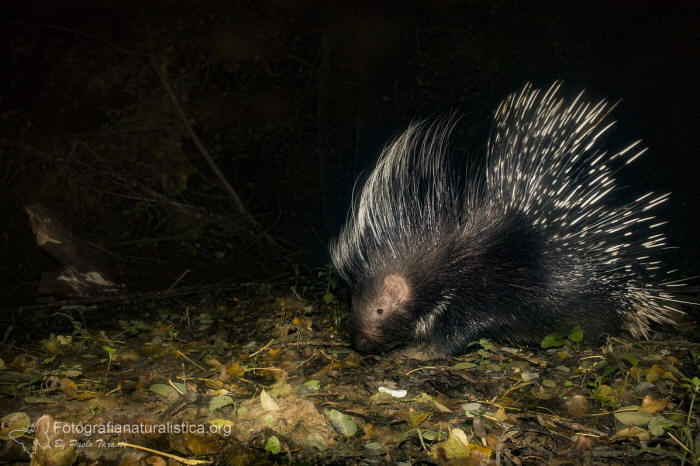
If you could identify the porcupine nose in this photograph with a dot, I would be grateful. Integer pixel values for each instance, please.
(362, 344)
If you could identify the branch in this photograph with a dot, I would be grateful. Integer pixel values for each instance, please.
(240, 207)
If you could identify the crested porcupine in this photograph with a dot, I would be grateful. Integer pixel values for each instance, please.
(436, 255)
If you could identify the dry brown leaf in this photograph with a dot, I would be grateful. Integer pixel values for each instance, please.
(68, 387)
(656, 372)
(652, 406)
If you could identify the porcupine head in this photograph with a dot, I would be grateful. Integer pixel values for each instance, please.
(396, 236)
(381, 316)
(524, 247)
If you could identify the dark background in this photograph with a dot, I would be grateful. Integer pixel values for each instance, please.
(293, 100)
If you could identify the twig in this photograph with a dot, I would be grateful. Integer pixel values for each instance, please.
(575, 426)
(329, 357)
(261, 349)
(170, 382)
(421, 368)
(238, 203)
(317, 343)
(170, 288)
(680, 443)
(167, 455)
(516, 386)
(184, 356)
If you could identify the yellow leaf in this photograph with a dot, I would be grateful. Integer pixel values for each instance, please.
(68, 387)
(454, 447)
(215, 384)
(500, 415)
(199, 444)
(656, 372)
(416, 419)
(235, 370)
(652, 406)
(220, 423)
(475, 448)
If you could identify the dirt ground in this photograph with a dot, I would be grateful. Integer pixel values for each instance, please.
(263, 374)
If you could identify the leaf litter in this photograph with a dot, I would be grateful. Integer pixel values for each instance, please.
(263, 374)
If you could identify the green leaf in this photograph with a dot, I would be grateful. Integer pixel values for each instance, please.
(181, 387)
(658, 424)
(486, 344)
(553, 340)
(633, 416)
(333, 281)
(265, 420)
(691, 384)
(313, 384)
(342, 423)
(316, 440)
(273, 445)
(464, 365)
(576, 334)
(162, 389)
(220, 401)
(310, 386)
(328, 298)
(609, 370)
(632, 359)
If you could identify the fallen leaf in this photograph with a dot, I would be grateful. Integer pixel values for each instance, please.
(219, 401)
(342, 423)
(633, 416)
(273, 445)
(656, 372)
(267, 402)
(636, 432)
(652, 405)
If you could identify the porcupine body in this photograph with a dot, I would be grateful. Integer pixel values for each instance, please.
(530, 246)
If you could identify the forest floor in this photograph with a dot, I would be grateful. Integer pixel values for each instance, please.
(263, 374)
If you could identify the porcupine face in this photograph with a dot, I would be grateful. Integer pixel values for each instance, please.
(381, 317)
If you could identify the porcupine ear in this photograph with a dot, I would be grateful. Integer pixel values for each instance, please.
(397, 288)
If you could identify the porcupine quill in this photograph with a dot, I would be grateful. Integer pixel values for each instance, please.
(435, 255)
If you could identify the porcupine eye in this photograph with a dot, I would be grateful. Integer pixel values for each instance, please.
(380, 310)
